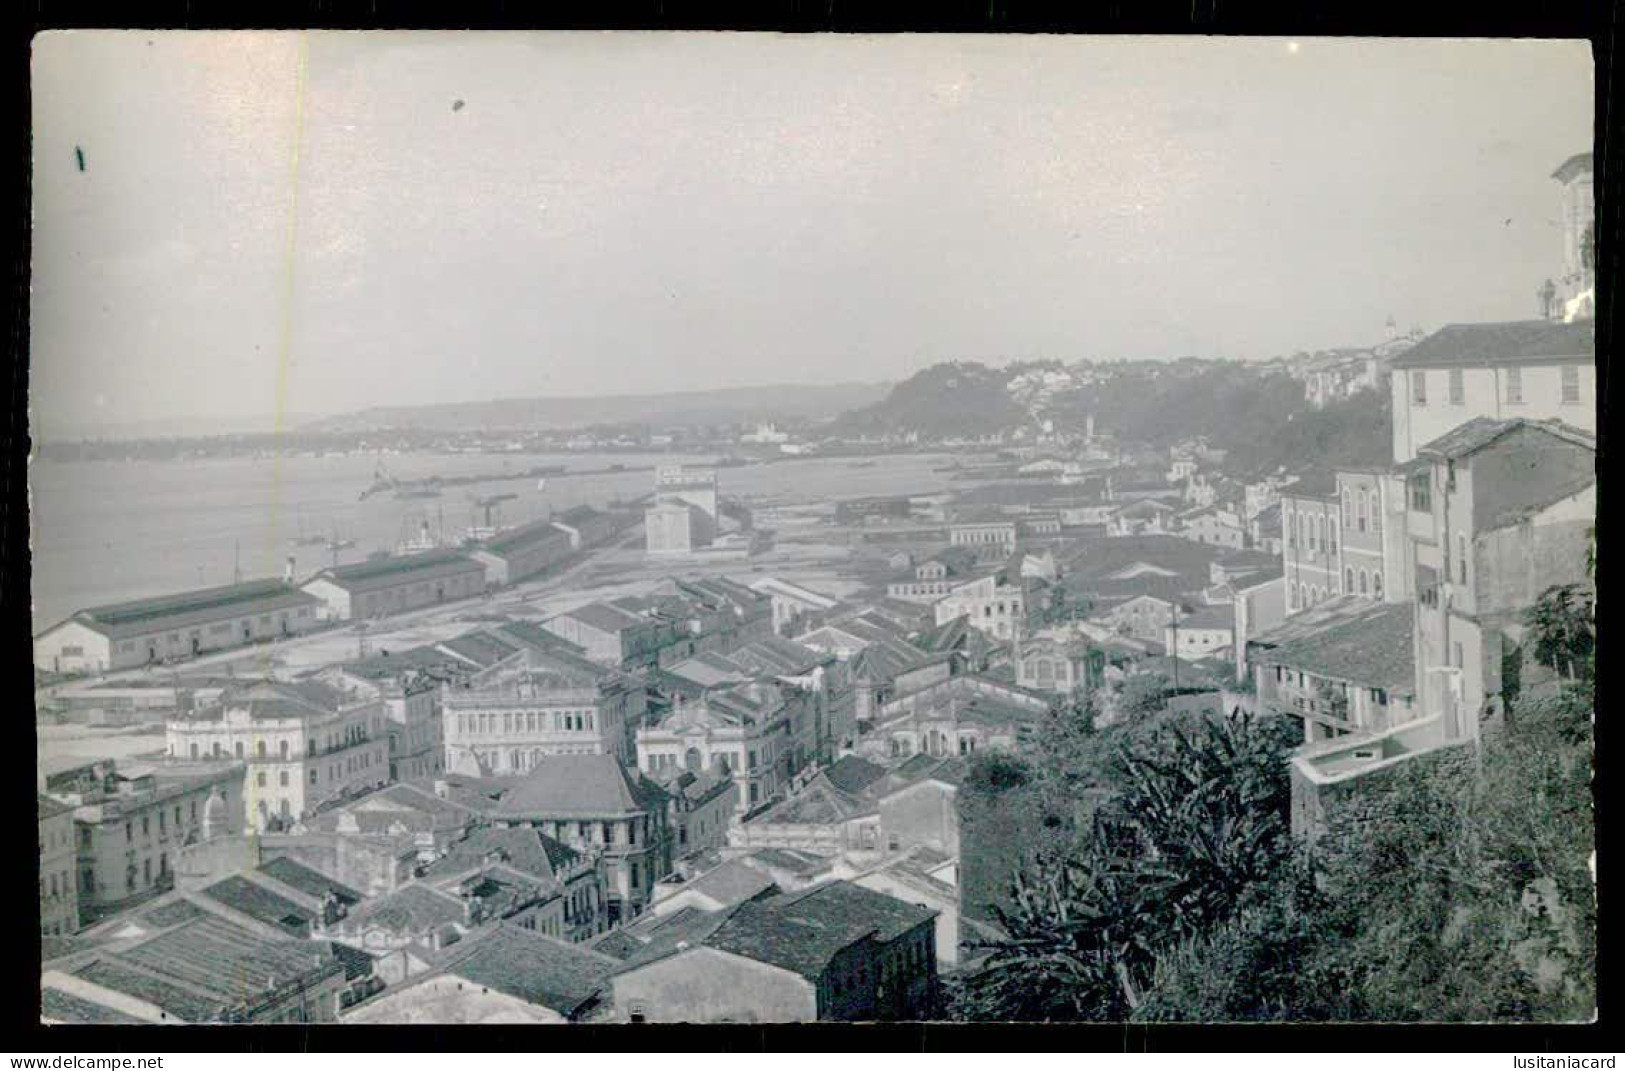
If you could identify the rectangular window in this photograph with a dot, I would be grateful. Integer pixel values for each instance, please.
(1458, 389)
(1422, 492)
(1419, 387)
(1459, 662)
(1571, 384)
(1514, 386)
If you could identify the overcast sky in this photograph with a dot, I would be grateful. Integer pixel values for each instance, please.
(615, 213)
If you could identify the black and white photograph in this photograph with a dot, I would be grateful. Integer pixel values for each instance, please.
(620, 527)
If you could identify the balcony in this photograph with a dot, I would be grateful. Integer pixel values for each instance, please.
(1304, 702)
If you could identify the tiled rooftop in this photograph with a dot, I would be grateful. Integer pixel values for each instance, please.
(604, 617)
(261, 904)
(196, 970)
(802, 932)
(413, 909)
(1479, 432)
(63, 1007)
(523, 848)
(1501, 343)
(533, 968)
(589, 786)
(311, 882)
(1366, 643)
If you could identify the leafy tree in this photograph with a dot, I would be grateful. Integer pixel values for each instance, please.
(1197, 820)
(1561, 621)
(1143, 694)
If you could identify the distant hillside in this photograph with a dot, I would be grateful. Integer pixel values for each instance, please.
(1259, 415)
(960, 398)
(730, 406)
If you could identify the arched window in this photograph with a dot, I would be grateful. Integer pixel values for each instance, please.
(1376, 514)
(1376, 584)
(1365, 582)
(1332, 532)
(1303, 594)
(1345, 505)
(1348, 580)
(1286, 527)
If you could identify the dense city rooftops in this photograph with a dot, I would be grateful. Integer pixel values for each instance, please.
(205, 970)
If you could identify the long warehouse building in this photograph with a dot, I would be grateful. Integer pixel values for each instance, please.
(147, 631)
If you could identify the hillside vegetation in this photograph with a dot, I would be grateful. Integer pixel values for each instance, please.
(1258, 415)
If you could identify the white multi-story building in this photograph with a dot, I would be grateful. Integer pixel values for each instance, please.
(557, 704)
(304, 744)
(1536, 370)
(993, 606)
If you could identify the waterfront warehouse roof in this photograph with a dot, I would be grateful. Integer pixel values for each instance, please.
(802, 932)
(589, 786)
(1520, 342)
(576, 516)
(1348, 639)
(523, 538)
(191, 608)
(311, 882)
(533, 968)
(402, 569)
